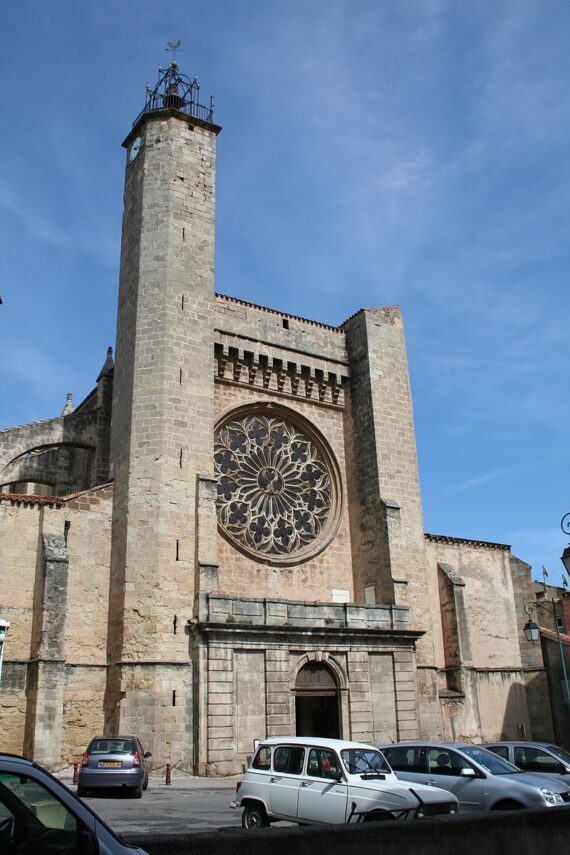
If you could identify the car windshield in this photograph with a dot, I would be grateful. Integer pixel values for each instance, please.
(489, 761)
(560, 752)
(360, 760)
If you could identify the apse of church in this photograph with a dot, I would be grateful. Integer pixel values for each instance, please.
(235, 548)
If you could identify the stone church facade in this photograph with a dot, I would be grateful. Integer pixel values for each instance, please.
(225, 539)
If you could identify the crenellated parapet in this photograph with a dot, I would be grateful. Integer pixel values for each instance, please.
(281, 372)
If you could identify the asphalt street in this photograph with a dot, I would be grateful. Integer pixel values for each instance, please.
(188, 804)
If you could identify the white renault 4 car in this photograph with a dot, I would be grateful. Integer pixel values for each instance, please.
(312, 781)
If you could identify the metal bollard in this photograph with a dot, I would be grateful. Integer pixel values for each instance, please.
(75, 772)
(168, 774)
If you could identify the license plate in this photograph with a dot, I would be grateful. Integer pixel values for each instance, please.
(106, 764)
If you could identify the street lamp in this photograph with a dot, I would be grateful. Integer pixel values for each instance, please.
(531, 629)
(565, 557)
(532, 634)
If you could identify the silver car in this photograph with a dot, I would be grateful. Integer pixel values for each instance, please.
(540, 758)
(479, 779)
(38, 814)
(114, 762)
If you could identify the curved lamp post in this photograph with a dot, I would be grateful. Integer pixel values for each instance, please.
(565, 557)
(532, 634)
(531, 628)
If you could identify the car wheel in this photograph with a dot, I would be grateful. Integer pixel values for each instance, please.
(137, 792)
(508, 804)
(254, 816)
(145, 784)
(81, 792)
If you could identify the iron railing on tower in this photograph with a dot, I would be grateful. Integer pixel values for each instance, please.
(175, 91)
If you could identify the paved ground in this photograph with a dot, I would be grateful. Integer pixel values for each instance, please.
(188, 804)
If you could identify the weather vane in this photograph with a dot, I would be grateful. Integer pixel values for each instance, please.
(173, 47)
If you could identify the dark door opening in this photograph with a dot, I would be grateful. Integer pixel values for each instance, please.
(316, 702)
(317, 716)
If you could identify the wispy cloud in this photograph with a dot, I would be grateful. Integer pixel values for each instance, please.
(34, 216)
(29, 220)
(479, 480)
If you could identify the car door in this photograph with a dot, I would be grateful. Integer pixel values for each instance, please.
(409, 762)
(285, 780)
(539, 762)
(323, 796)
(33, 819)
(445, 768)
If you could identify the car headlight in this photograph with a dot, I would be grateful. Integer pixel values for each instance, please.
(551, 798)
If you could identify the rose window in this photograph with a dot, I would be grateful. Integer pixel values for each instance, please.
(275, 487)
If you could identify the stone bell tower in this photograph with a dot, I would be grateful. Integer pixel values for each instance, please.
(164, 529)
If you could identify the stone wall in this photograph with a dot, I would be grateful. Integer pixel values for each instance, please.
(388, 528)
(352, 384)
(54, 583)
(535, 677)
(270, 330)
(20, 525)
(86, 632)
(476, 636)
(527, 832)
(389, 558)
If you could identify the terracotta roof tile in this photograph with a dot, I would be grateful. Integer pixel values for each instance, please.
(58, 501)
(24, 499)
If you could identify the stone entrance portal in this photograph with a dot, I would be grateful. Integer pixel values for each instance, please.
(317, 702)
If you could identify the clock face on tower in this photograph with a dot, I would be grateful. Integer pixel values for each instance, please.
(135, 148)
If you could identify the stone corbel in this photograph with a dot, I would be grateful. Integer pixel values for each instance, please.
(267, 372)
(222, 360)
(237, 370)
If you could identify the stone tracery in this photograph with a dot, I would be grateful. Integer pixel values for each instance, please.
(275, 490)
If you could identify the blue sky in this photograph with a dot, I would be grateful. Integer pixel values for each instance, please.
(410, 152)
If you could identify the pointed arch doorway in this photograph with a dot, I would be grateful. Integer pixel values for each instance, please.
(317, 702)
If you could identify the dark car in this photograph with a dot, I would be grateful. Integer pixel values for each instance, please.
(114, 762)
(39, 815)
(540, 758)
